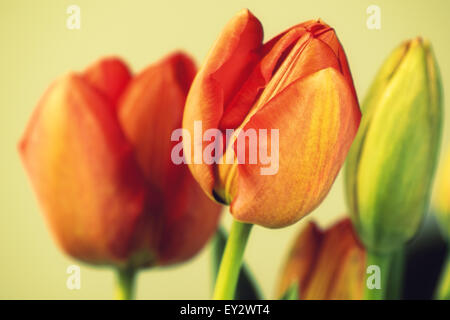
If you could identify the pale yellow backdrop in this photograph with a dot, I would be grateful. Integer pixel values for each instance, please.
(36, 47)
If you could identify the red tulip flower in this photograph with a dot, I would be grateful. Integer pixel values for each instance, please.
(295, 88)
(298, 83)
(97, 150)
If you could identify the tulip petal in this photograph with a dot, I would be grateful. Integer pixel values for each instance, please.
(339, 269)
(302, 258)
(293, 56)
(150, 110)
(190, 219)
(109, 76)
(228, 65)
(238, 108)
(327, 264)
(326, 117)
(329, 37)
(84, 172)
(349, 281)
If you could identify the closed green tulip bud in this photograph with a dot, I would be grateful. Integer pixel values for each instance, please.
(391, 164)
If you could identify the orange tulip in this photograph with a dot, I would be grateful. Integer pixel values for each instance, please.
(97, 150)
(326, 265)
(299, 83)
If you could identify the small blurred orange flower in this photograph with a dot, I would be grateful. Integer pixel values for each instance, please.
(326, 265)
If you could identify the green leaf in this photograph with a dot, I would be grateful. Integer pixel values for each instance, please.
(247, 288)
(291, 293)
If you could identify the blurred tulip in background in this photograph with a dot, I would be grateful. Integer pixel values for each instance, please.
(97, 151)
(326, 264)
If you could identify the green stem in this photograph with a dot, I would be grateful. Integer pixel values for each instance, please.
(125, 283)
(395, 279)
(443, 292)
(376, 283)
(231, 261)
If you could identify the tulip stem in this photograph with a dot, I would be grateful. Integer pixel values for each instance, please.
(125, 283)
(395, 279)
(443, 292)
(377, 275)
(230, 265)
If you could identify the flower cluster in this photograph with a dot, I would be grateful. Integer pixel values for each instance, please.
(131, 170)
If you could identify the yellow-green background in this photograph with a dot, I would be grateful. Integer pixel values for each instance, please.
(36, 47)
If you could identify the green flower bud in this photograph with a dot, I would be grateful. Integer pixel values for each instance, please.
(392, 161)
